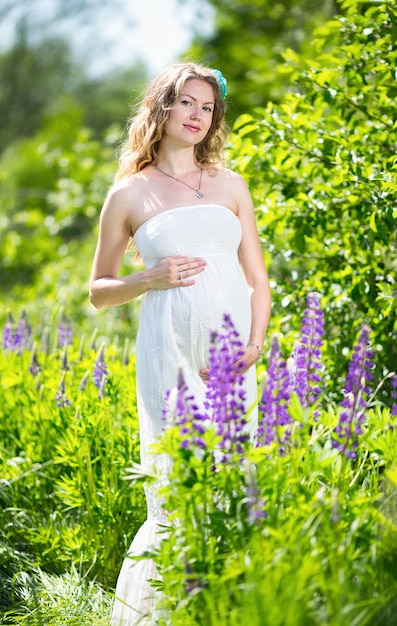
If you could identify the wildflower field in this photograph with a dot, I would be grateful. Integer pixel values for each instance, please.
(298, 528)
(68, 430)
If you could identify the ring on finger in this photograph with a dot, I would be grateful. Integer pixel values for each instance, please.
(180, 275)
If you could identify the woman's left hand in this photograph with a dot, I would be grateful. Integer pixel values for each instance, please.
(250, 357)
(243, 362)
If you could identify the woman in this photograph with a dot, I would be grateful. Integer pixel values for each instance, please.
(193, 223)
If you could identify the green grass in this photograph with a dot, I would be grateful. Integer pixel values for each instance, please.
(50, 600)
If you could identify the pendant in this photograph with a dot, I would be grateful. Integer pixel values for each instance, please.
(199, 194)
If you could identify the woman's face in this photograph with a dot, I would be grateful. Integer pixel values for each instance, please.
(191, 116)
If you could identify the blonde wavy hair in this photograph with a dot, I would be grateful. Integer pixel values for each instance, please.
(146, 128)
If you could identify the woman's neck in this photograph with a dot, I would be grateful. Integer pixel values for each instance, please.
(177, 162)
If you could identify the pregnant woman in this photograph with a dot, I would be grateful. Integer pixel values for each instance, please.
(192, 221)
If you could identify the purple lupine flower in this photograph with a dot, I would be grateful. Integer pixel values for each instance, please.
(22, 334)
(224, 399)
(101, 372)
(180, 409)
(65, 333)
(255, 504)
(61, 398)
(192, 581)
(25, 330)
(394, 395)
(307, 353)
(225, 394)
(356, 392)
(8, 341)
(34, 367)
(275, 401)
(17, 339)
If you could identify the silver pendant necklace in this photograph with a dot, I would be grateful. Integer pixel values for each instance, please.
(199, 194)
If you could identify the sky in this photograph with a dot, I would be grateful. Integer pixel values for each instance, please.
(154, 31)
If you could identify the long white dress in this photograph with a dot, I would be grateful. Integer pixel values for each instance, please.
(174, 332)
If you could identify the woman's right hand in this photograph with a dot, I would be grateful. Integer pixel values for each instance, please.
(107, 288)
(175, 271)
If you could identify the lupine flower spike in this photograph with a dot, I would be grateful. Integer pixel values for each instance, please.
(17, 343)
(225, 395)
(22, 335)
(61, 398)
(101, 372)
(102, 388)
(181, 410)
(224, 404)
(84, 381)
(64, 361)
(34, 367)
(65, 333)
(356, 392)
(275, 400)
(8, 333)
(306, 357)
(26, 330)
(254, 502)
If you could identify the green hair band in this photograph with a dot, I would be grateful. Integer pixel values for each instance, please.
(222, 82)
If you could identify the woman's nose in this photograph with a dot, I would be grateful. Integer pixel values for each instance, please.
(195, 112)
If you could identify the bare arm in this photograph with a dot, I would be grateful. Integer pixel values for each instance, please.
(251, 259)
(106, 287)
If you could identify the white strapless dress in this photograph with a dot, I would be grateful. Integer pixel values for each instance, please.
(174, 332)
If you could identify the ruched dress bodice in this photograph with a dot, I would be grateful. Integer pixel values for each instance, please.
(175, 324)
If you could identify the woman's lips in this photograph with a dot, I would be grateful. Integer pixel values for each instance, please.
(194, 129)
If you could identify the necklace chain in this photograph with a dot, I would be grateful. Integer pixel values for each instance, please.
(199, 193)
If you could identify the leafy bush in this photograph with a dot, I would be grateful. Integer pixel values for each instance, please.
(321, 166)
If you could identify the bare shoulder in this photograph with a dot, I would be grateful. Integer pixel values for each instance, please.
(120, 194)
(229, 188)
(231, 178)
(234, 178)
(239, 190)
(122, 203)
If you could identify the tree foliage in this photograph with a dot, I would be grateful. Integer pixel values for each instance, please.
(322, 166)
(59, 128)
(32, 77)
(248, 39)
(39, 69)
(52, 187)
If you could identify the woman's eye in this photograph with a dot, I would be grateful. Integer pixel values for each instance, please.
(207, 109)
(186, 102)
